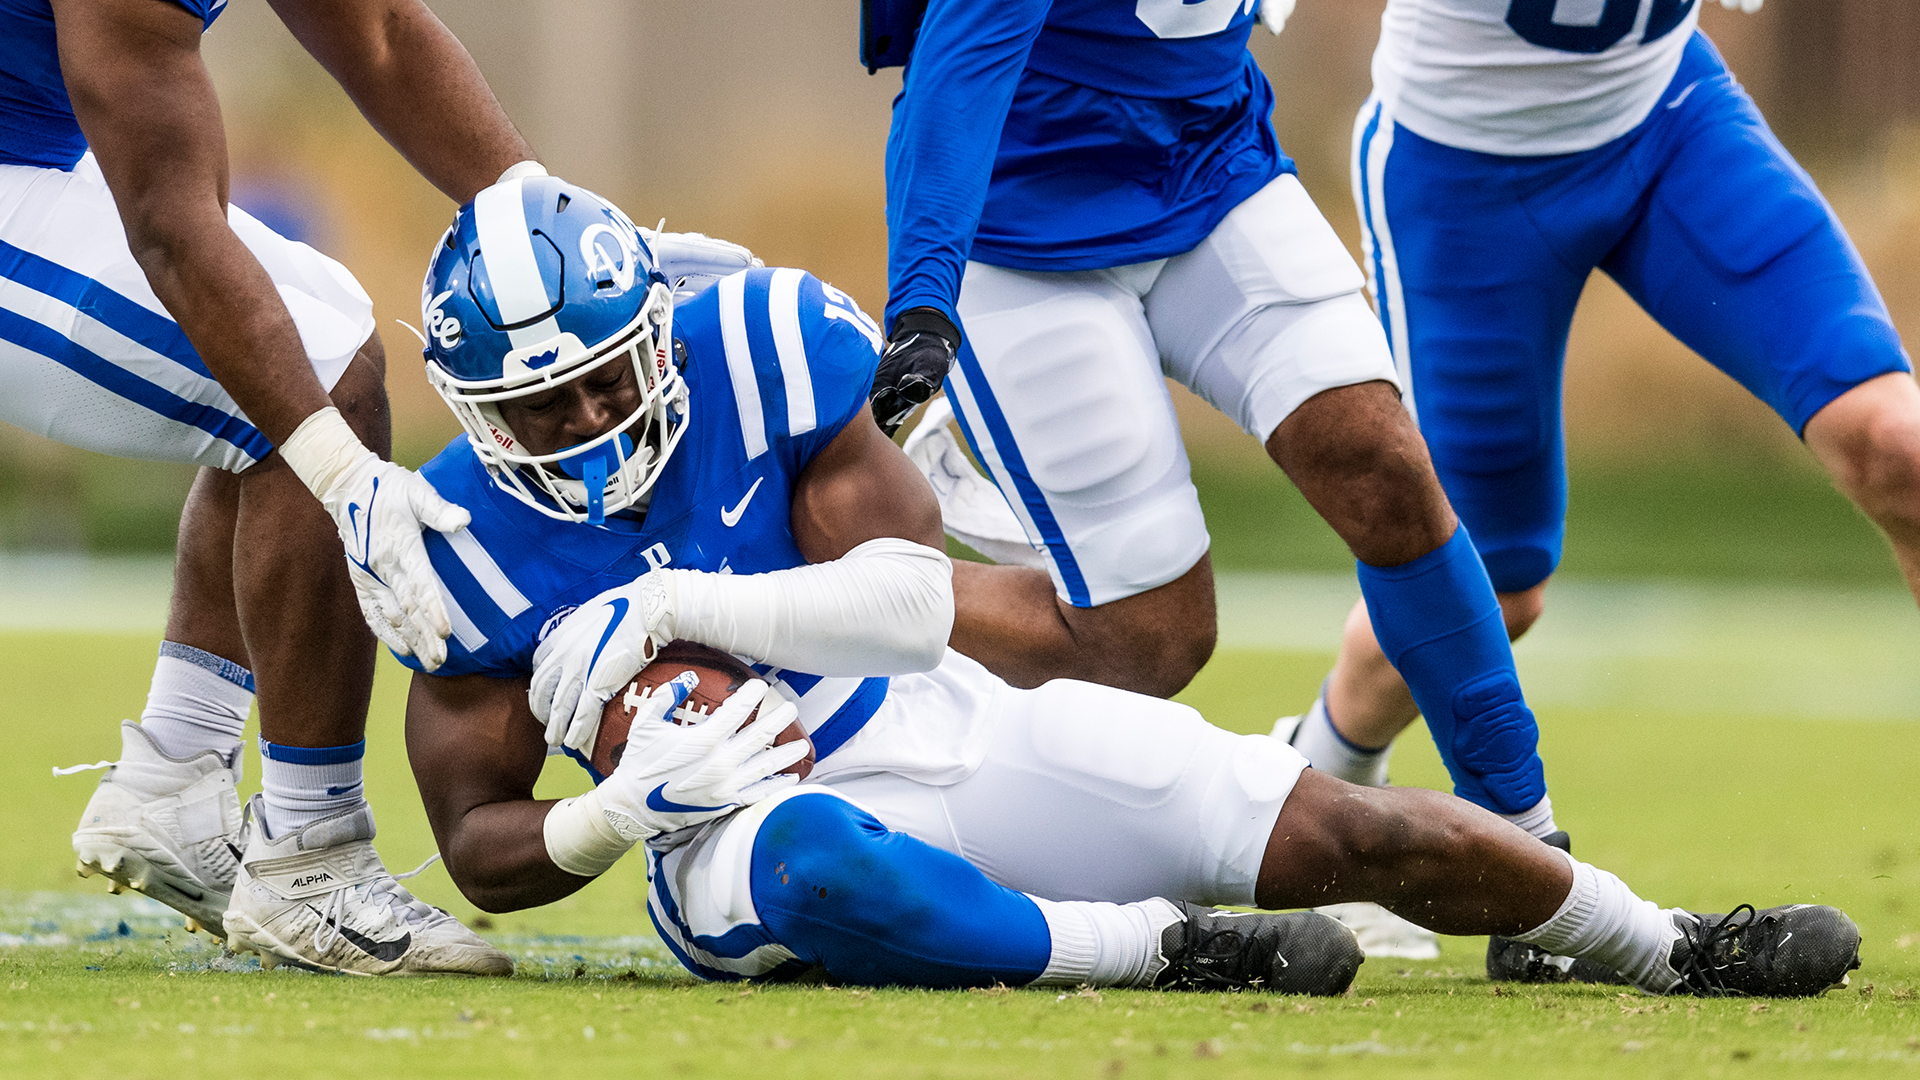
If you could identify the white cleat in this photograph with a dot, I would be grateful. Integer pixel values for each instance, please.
(1284, 728)
(319, 898)
(972, 509)
(1382, 933)
(166, 827)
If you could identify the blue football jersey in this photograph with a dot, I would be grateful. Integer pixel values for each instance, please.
(1058, 135)
(36, 119)
(777, 363)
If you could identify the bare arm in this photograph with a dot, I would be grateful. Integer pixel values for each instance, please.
(476, 753)
(860, 488)
(147, 107)
(415, 83)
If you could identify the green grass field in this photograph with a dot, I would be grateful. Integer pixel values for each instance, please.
(1704, 809)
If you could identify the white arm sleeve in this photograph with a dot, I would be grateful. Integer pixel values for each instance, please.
(884, 608)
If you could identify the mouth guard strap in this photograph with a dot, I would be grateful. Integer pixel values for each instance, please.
(593, 473)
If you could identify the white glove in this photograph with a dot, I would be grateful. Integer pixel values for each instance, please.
(691, 261)
(1748, 6)
(672, 777)
(594, 652)
(1274, 13)
(380, 508)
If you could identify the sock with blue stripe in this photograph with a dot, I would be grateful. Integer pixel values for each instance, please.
(302, 785)
(197, 702)
(881, 908)
(1439, 623)
(1330, 752)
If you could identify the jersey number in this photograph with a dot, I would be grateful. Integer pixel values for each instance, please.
(1533, 20)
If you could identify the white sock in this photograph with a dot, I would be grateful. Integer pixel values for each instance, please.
(1102, 944)
(1538, 821)
(1602, 920)
(1330, 752)
(301, 785)
(198, 701)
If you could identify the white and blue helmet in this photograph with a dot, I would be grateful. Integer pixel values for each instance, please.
(537, 283)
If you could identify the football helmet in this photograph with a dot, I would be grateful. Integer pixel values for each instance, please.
(539, 282)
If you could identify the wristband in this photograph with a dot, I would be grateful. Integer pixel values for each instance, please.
(580, 839)
(321, 449)
(520, 169)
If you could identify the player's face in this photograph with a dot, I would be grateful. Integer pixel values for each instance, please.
(575, 411)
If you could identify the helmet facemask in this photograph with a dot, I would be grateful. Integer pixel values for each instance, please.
(625, 460)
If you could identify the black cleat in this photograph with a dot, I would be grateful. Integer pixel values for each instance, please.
(1516, 961)
(1297, 952)
(1798, 950)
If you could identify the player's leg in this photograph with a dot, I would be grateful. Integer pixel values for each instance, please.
(88, 357)
(311, 651)
(1264, 319)
(1456, 869)
(1477, 302)
(1085, 792)
(1059, 392)
(1763, 282)
(1869, 441)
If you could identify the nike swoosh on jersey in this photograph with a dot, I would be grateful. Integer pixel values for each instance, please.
(384, 951)
(731, 517)
(657, 800)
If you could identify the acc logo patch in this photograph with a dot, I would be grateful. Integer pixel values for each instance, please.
(553, 622)
(441, 326)
(611, 255)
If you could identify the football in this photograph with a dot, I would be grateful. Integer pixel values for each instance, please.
(718, 675)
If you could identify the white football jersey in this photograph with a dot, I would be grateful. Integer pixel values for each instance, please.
(1528, 76)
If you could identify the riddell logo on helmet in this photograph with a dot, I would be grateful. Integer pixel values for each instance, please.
(660, 362)
(505, 440)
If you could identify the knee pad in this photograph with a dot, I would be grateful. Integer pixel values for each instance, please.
(880, 908)
(1495, 737)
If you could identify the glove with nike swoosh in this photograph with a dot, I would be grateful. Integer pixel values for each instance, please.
(380, 509)
(596, 651)
(672, 777)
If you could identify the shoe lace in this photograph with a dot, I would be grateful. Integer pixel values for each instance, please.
(69, 770)
(1700, 971)
(385, 890)
(1217, 959)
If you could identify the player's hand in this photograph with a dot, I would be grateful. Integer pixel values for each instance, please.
(919, 353)
(596, 651)
(1274, 13)
(670, 777)
(380, 509)
(692, 261)
(1748, 6)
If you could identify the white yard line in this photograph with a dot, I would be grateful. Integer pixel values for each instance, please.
(81, 593)
(1666, 646)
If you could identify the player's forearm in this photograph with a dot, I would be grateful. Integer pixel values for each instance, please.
(416, 84)
(226, 304)
(497, 855)
(946, 128)
(884, 608)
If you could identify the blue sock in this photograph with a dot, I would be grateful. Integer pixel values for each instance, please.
(1437, 620)
(880, 908)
